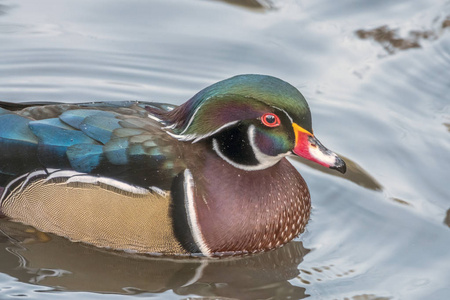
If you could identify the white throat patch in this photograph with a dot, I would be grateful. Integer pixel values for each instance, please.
(264, 161)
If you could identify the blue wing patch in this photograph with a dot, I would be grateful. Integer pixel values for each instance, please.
(55, 122)
(14, 127)
(17, 144)
(100, 127)
(54, 141)
(52, 135)
(116, 151)
(76, 117)
(84, 157)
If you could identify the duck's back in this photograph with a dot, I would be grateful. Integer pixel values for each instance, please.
(96, 173)
(99, 138)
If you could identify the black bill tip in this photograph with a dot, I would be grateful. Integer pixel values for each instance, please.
(339, 165)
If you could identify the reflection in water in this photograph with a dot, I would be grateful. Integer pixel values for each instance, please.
(403, 202)
(390, 40)
(252, 4)
(447, 218)
(369, 297)
(355, 173)
(75, 266)
(446, 22)
(4, 8)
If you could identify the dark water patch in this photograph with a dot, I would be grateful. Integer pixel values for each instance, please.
(447, 218)
(388, 38)
(446, 22)
(392, 42)
(403, 202)
(4, 9)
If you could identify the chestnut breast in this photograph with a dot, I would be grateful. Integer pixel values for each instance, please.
(242, 211)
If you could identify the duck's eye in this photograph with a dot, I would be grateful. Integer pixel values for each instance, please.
(270, 120)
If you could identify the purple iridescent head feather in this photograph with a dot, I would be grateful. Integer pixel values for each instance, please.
(238, 98)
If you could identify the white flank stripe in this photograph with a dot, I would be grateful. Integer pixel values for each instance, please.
(31, 175)
(24, 183)
(192, 214)
(158, 191)
(111, 182)
(63, 173)
(75, 176)
(9, 185)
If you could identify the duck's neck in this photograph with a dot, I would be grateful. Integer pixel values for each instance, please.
(247, 211)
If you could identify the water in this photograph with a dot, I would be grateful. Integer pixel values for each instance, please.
(377, 77)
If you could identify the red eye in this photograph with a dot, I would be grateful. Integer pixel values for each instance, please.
(270, 120)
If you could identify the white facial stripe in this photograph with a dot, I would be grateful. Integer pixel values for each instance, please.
(196, 137)
(181, 137)
(191, 120)
(192, 213)
(215, 131)
(265, 161)
(287, 115)
(222, 156)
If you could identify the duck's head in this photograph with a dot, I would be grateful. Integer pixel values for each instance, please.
(251, 121)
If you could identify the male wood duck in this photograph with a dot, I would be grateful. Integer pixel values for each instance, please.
(209, 177)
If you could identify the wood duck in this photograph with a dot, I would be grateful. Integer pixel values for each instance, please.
(209, 177)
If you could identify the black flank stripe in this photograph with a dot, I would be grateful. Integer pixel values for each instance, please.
(179, 215)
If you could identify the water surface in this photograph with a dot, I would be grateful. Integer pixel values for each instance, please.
(377, 77)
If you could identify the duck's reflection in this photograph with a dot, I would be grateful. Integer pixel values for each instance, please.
(262, 5)
(447, 218)
(74, 266)
(355, 173)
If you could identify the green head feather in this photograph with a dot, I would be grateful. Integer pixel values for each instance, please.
(238, 98)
